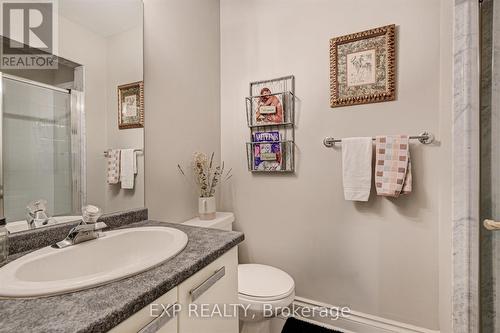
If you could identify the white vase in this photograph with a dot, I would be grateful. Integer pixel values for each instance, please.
(206, 208)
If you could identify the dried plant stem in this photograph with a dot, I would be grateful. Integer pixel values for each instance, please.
(206, 176)
(190, 182)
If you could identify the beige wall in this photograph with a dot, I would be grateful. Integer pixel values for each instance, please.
(124, 65)
(445, 167)
(381, 257)
(108, 62)
(182, 97)
(85, 47)
(389, 258)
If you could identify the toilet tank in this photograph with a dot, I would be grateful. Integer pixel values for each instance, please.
(222, 221)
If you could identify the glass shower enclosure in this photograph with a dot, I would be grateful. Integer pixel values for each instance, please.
(41, 155)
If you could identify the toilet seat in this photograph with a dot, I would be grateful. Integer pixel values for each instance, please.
(263, 283)
(264, 300)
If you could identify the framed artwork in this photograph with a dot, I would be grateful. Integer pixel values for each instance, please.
(131, 105)
(363, 67)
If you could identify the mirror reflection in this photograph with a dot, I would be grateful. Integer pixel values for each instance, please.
(52, 166)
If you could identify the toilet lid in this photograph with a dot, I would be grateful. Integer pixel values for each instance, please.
(263, 281)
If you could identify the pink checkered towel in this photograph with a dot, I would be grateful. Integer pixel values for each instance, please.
(393, 165)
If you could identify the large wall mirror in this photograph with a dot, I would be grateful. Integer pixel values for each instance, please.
(70, 136)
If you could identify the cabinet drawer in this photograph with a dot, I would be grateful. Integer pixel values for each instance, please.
(214, 287)
(139, 321)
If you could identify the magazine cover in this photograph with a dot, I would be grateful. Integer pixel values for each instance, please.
(269, 108)
(267, 155)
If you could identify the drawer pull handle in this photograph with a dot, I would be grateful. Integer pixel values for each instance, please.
(160, 321)
(205, 285)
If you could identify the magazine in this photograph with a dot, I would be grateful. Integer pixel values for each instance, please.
(268, 154)
(268, 109)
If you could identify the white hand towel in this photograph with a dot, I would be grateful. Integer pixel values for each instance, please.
(127, 168)
(357, 168)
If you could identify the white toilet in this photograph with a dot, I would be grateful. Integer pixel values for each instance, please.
(262, 289)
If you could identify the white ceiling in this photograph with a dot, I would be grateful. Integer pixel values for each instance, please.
(104, 17)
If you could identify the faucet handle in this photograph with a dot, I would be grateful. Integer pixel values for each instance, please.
(91, 213)
(37, 205)
(36, 213)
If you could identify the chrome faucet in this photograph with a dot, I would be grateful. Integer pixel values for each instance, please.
(81, 233)
(36, 214)
(86, 230)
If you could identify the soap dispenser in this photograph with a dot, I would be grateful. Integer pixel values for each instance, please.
(4, 240)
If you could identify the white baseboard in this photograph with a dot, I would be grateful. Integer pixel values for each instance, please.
(356, 322)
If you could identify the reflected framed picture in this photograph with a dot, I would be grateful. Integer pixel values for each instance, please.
(131, 105)
(363, 67)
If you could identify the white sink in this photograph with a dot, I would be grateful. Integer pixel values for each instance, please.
(115, 255)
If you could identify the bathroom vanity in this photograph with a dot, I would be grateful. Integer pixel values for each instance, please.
(183, 309)
(204, 272)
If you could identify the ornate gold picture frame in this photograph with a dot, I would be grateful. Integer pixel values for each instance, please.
(363, 67)
(131, 105)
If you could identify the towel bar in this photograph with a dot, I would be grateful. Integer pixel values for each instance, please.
(424, 138)
(135, 151)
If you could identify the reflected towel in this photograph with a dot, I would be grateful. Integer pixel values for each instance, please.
(113, 170)
(135, 163)
(357, 168)
(393, 165)
(127, 168)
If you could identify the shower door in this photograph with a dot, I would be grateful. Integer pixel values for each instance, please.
(37, 155)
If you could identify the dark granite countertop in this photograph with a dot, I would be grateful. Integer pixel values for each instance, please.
(101, 308)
